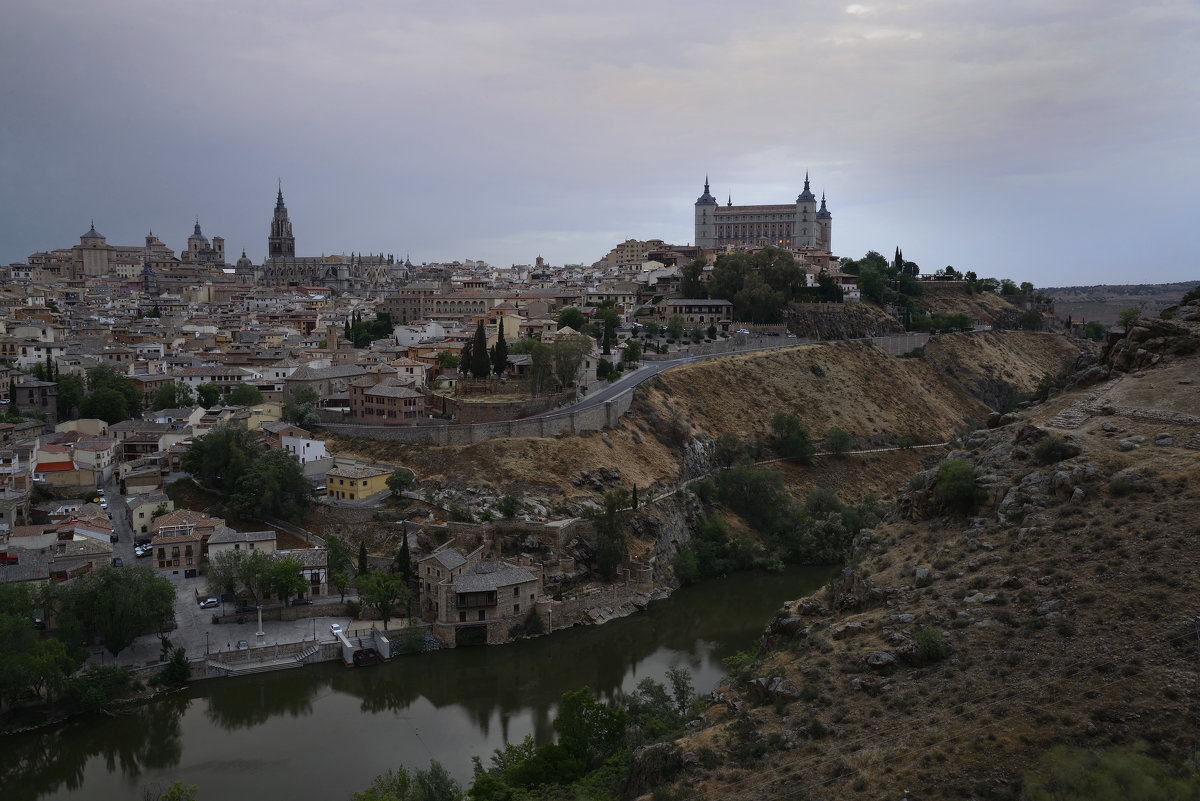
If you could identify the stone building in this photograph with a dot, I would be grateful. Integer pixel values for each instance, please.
(794, 226)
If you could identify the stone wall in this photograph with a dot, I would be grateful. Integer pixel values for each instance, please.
(593, 418)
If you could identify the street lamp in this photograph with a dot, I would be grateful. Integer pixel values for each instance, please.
(206, 643)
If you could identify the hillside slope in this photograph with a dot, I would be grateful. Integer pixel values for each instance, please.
(958, 650)
(875, 397)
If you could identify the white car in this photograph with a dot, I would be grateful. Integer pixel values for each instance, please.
(103, 503)
(335, 629)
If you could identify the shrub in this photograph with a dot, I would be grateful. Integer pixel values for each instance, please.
(931, 644)
(817, 371)
(837, 441)
(955, 486)
(1050, 450)
(353, 609)
(509, 506)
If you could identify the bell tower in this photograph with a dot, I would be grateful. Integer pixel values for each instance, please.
(706, 219)
(281, 243)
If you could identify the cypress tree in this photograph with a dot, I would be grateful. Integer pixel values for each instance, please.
(363, 567)
(500, 352)
(480, 364)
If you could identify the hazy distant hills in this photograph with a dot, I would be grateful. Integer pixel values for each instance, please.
(1104, 302)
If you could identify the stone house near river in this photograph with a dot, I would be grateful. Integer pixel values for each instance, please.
(470, 600)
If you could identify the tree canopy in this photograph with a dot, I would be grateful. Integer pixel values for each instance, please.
(173, 395)
(568, 355)
(244, 395)
(255, 481)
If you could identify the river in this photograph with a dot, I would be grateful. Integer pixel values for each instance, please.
(323, 731)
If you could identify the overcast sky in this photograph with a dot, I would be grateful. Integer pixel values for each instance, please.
(1055, 142)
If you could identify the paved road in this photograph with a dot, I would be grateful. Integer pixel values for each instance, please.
(648, 370)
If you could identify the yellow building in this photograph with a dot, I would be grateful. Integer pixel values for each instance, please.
(355, 483)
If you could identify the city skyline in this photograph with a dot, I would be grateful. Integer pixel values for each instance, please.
(1044, 144)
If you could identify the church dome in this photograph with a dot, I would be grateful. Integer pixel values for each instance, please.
(706, 199)
(92, 233)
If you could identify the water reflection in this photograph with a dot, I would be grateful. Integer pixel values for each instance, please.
(276, 734)
(138, 740)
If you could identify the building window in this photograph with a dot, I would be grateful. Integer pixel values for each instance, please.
(481, 611)
(516, 608)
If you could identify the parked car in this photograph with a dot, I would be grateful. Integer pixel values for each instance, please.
(114, 537)
(243, 645)
(142, 550)
(103, 503)
(301, 602)
(209, 603)
(100, 491)
(118, 562)
(244, 610)
(335, 629)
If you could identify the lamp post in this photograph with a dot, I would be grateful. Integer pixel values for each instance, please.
(261, 637)
(206, 643)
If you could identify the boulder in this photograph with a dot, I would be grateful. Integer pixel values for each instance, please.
(880, 660)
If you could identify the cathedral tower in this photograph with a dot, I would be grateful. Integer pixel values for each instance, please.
(706, 219)
(281, 243)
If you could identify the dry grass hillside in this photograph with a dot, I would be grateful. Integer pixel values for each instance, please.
(875, 397)
(953, 299)
(957, 650)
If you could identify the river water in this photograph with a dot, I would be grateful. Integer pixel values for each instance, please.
(324, 731)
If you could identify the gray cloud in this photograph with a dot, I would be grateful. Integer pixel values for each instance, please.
(1044, 141)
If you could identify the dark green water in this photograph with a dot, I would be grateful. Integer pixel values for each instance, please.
(321, 732)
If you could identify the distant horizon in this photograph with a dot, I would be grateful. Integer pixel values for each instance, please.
(1050, 144)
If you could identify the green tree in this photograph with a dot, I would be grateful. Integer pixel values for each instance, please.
(240, 571)
(363, 566)
(1128, 317)
(274, 486)
(610, 533)
(70, 395)
(221, 458)
(208, 395)
(338, 554)
(106, 404)
(244, 395)
(791, 438)
(1095, 330)
(401, 480)
(509, 505)
(633, 352)
(609, 320)
(107, 376)
(122, 603)
(756, 302)
(385, 592)
(569, 352)
(837, 442)
(479, 364)
(955, 486)
(587, 728)
(571, 317)
(300, 408)
(675, 326)
(285, 578)
(499, 350)
(447, 360)
(173, 395)
(403, 564)
(541, 367)
(178, 792)
(691, 284)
